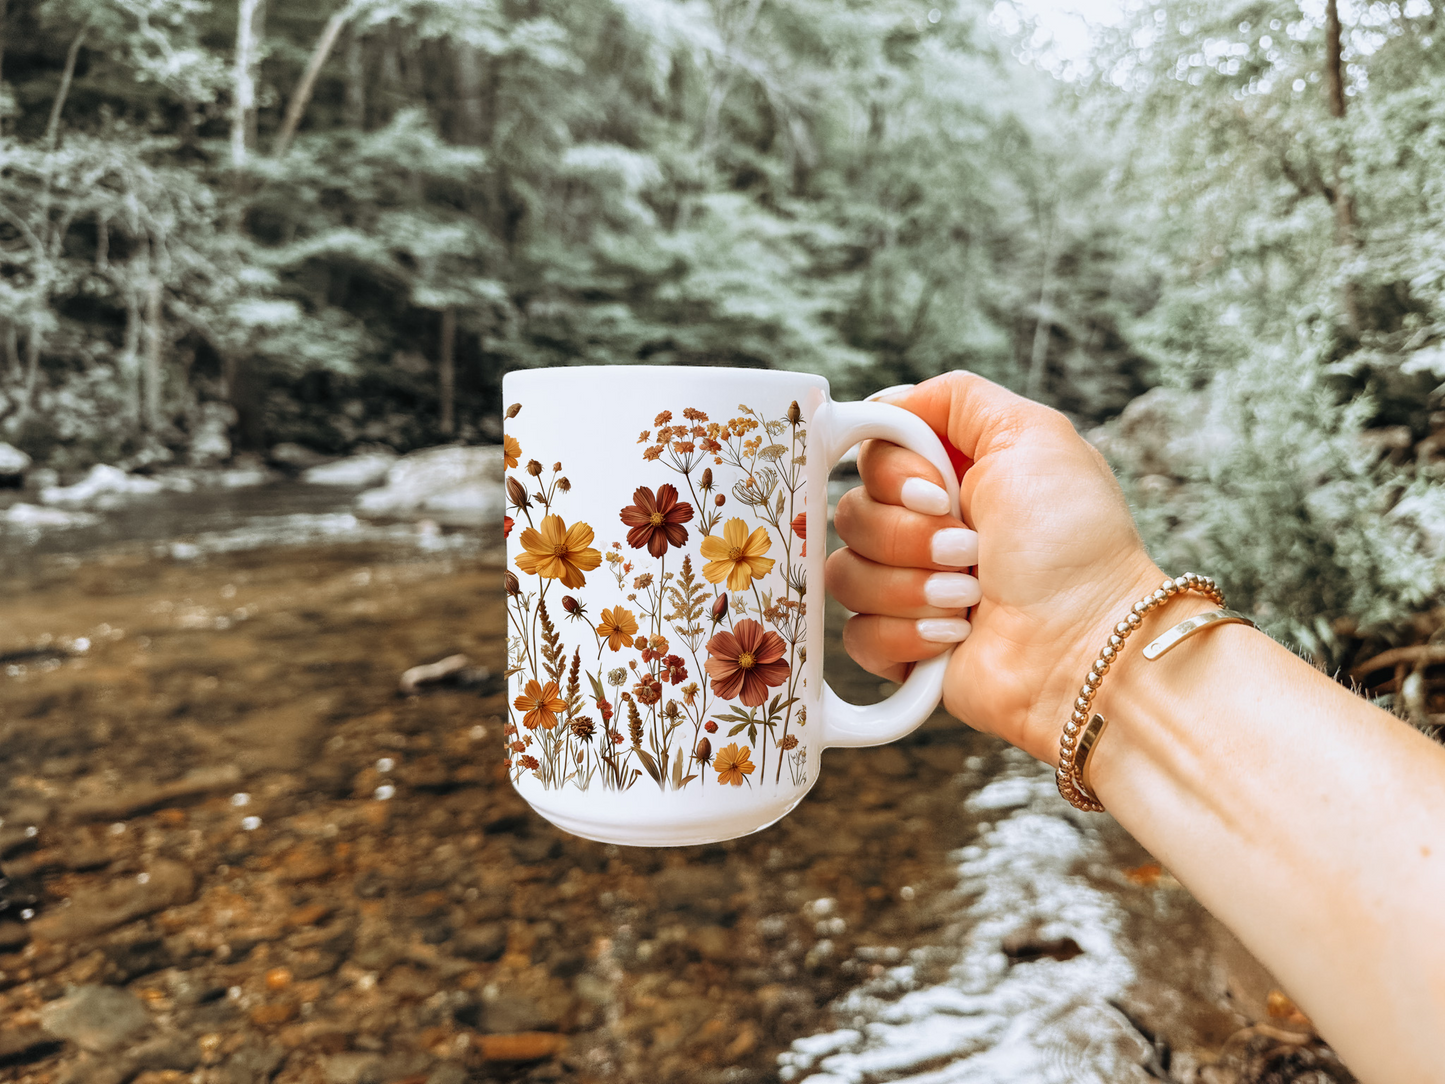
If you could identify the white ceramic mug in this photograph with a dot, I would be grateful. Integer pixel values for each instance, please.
(665, 616)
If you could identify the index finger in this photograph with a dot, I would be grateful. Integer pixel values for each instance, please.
(976, 415)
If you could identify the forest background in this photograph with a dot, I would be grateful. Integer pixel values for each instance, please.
(339, 222)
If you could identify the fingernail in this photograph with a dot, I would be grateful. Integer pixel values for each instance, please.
(951, 590)
(888, 393)
(943, 630)
(925, 497)
(955, 546)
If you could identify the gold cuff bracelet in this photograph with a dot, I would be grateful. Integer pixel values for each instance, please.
(1082, 731)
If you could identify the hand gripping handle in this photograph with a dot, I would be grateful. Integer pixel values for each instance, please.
(844, 425)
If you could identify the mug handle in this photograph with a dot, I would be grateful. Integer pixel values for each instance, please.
(844, 425)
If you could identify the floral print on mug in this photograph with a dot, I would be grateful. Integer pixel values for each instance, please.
(691, 677)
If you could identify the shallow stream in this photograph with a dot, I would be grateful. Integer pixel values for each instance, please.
(215, 799)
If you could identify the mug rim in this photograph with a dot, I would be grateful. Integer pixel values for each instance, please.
(688, 372)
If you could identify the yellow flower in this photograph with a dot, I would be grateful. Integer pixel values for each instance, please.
(511, 450)
(619, 626)
(732, 764)
(736, 556)
(542, 704)
(559, 552)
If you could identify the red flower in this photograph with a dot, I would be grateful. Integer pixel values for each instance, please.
(674, 669)
(506, 526)
(746, 662)
(648, 690)
(800, 528)
(656, 520)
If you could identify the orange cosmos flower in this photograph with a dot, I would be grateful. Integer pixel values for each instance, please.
(559, 552)
(511, 451)
(737, 556)
(732, 764)
(619, 625)
(542, 704)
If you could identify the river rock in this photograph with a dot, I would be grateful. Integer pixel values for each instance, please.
(1164, 433)
(525, 1046)
(483, 943)
(297, 456)
(508, 1014)
(432, 673)
(357, 470)
(30, 517)
(96, 1018)
(13, 465)
(104, 487)
(211, 435)
(171, 1051)
(164, 885)
(456, 485)
(144, 796)
(14, 935)
(704, 890)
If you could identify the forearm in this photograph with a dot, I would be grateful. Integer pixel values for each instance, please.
(1308, 821)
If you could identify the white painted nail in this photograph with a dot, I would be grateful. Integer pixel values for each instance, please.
(956, 546)
(943, 630)
(925, 497)
(951, 590)
(883, 395)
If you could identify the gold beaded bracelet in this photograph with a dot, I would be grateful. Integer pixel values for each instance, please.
(1082, 730)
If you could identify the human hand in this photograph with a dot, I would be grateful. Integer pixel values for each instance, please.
(1059, 559)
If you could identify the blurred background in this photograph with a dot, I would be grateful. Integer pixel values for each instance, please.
(262, 267)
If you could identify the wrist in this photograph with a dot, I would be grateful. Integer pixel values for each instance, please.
(1115, 673)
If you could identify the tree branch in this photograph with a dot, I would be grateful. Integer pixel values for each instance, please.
(302, 97)
(52, 129)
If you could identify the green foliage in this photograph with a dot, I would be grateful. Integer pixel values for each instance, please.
(854, 189)
(1296, 248)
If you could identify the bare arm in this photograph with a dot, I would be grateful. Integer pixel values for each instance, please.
(1308, 821)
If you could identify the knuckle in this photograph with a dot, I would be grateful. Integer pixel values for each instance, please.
(846, 515)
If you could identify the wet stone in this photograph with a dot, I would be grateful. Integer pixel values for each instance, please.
(254, 1064)
(481, 943)
(172, 1051)
(701, 889)
(19, 1045)
(100, 1019)
(507, 1014)
(165, 884)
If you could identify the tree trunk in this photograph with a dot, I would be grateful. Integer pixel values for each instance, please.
(469, 95)
(32, 373)
(296, 108)
(4, 28)
(1344, 203)
(390, 80)
(12, 353)
(130, 351)
(355, 82)
(1044, 324)
(447, 372)
(152, 400)
(1334, 59)
(243, 83)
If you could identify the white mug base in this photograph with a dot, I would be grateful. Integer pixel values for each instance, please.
(621, 821)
